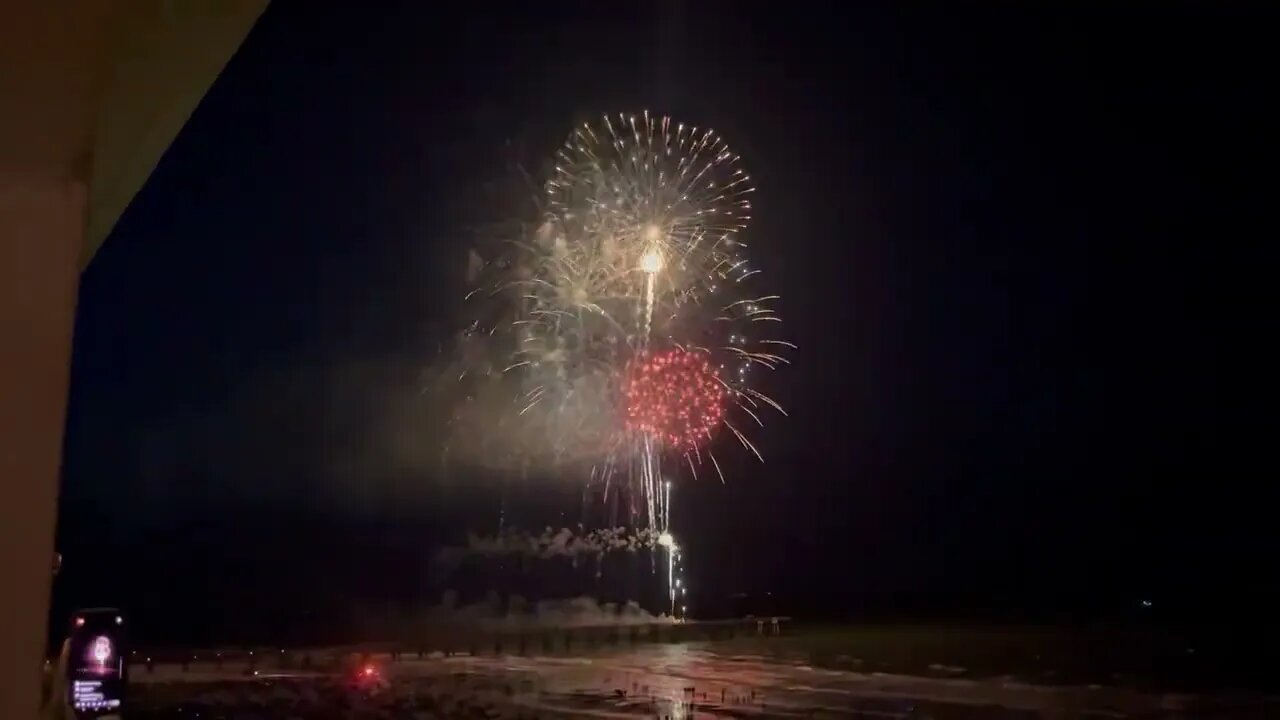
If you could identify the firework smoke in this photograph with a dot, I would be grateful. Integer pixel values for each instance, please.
(552, 543)
(618, 333)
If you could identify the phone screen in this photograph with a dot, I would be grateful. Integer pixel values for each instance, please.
(96, 669)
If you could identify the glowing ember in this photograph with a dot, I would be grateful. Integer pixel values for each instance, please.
(674, 396)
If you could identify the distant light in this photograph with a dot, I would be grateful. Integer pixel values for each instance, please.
(369, 670)
(119, 620)
(79, 622)
(1146, 603)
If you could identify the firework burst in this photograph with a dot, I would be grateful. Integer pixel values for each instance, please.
(675, 397)
(627, 332)
(632, 187)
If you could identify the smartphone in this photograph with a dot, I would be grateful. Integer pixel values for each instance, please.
(97, 663)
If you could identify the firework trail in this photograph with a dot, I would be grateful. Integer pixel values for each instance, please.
(620, 332)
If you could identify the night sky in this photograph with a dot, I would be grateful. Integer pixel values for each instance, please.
(987, 226)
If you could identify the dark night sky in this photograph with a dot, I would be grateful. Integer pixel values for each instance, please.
(987, 225)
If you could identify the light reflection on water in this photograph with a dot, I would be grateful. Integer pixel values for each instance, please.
(684, 681)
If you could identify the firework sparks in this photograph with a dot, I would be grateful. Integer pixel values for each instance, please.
(634, 190)
(621, 324)
(674, 396)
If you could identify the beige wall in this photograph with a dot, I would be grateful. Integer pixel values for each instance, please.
(41, 232)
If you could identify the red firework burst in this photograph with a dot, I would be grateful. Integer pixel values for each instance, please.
(674, 396)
